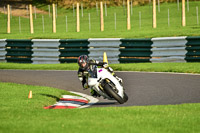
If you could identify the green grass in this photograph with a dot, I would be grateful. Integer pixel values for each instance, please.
(146, 30)
(148, 67)
(159, 67)
(20, 114)
(66, 66)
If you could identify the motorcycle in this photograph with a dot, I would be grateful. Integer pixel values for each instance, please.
(106, 85)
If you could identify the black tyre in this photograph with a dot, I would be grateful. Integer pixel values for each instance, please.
(125, 97)
(113, 94)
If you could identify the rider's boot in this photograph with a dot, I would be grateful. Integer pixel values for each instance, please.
(94, 93)
(85, 86)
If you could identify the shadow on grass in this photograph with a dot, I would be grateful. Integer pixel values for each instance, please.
(51, 96)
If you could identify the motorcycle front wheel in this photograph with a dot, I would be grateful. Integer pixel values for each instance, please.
(109, 90)
(125, 97)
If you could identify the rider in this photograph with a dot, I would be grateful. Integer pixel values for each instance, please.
(85, 64)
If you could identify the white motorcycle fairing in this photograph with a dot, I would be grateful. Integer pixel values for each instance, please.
(95, 79)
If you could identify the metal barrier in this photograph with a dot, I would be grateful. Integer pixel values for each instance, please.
(168, 49)
(109, 45)
(71, 49)
(135, 50)
(45, 51)
(19, 51)
(2, 50)
(193, 49)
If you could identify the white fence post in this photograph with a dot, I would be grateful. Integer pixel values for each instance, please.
(178, 5)
(4, 8)
(73, 10)
(45, 51)
(140, 19)
(197, 15)
(188, 6)
(106, 14)
(82, 9)
(35, 12)
(27, 10)
(43, 23)
(49, 10)
(158, 5)
(20, 25)
(66, 25)
(115, 15)
(89, 21)
(97, 9)
(168, 18)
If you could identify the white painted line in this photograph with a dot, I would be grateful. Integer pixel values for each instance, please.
(72, 102)
(91, 99)
(67, 104)
(160, 72)
(114, 71)
(73, 97)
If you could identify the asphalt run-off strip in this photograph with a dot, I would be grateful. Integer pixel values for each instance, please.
(71, 102)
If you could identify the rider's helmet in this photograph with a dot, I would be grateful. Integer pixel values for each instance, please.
(83, 61)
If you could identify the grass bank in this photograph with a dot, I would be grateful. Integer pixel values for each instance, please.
(20, 114)
(90, 27)
(146, 67)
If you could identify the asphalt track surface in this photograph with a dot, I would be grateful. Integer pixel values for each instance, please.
(141, 87)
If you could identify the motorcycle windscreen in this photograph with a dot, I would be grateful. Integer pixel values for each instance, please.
(93, 72)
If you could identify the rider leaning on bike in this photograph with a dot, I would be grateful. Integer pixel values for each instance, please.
(85, 64)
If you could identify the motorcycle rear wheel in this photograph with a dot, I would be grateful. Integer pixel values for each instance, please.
(113, 94)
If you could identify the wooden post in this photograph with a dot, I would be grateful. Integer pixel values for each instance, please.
(54, 18)
(31, 19)
(8, 20)
(102, 20)
(128, 16)
(183, 13)
(154, 14)
(77, 18)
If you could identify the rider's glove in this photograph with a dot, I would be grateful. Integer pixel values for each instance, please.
(110, 69)
(85, 86)
(105, 65)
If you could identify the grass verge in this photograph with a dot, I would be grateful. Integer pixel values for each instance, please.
(20, 114)
(90, 27)
(147, 67)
